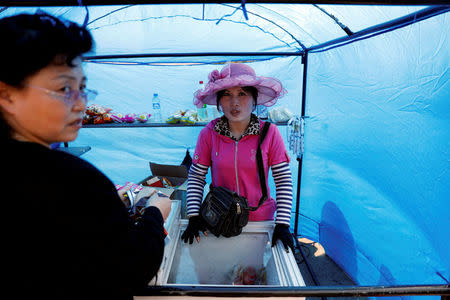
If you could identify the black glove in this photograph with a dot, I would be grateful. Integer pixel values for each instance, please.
(282, 233)
(196, 224)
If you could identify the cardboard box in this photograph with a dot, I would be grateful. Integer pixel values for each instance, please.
(177, 176)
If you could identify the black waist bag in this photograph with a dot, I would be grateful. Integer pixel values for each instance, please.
(224, 211)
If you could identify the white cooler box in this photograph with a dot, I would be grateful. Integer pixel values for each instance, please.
(211, 262)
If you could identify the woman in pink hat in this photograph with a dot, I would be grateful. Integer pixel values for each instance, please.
(228, 145)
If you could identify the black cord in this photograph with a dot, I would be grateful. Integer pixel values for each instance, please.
(307, 249)
(313, 276)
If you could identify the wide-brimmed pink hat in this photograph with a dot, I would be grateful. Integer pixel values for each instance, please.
(231, 75)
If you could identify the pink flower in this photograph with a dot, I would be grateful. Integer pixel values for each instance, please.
(213, 76)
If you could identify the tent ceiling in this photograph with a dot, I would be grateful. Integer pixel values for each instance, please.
(198, 28)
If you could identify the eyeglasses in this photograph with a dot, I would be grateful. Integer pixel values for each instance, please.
(69, 96)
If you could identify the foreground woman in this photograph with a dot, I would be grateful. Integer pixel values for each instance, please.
(69, 234)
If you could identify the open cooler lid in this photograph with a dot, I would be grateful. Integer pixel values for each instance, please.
(168, 170)
(216, 261)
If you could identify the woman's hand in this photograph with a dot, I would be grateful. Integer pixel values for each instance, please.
(196, 224)
(163, 203)
(122, 194)
(282, 233)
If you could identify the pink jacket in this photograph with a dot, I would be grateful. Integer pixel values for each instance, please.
(233, 164)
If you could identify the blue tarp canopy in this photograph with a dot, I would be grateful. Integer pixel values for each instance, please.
(375, 172)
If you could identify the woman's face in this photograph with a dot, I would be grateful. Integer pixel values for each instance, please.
(236, 104)
(39, 112)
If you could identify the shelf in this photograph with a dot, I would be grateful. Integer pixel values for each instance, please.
(125, 125)
(131, 125)
(77, 151)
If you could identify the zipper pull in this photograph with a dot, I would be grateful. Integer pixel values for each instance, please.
(238, 208)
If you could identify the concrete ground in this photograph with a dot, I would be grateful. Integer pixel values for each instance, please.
(325, 271)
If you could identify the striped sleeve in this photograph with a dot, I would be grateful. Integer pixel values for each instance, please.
(196, 183)
(283, 184)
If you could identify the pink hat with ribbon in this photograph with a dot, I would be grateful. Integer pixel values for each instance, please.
(231, 75)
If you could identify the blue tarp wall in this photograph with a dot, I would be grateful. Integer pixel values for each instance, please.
(375, 186)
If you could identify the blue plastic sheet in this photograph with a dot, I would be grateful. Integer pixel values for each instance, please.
(375, 186)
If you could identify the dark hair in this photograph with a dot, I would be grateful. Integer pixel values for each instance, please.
(31, 42)
(249, 89)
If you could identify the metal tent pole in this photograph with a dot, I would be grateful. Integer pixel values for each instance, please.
(300, 159)
(191, 54)
(299, 178)
(288, 291)
(378, 29)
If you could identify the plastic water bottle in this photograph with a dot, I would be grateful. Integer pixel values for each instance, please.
(202, 112)
(156, 106)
